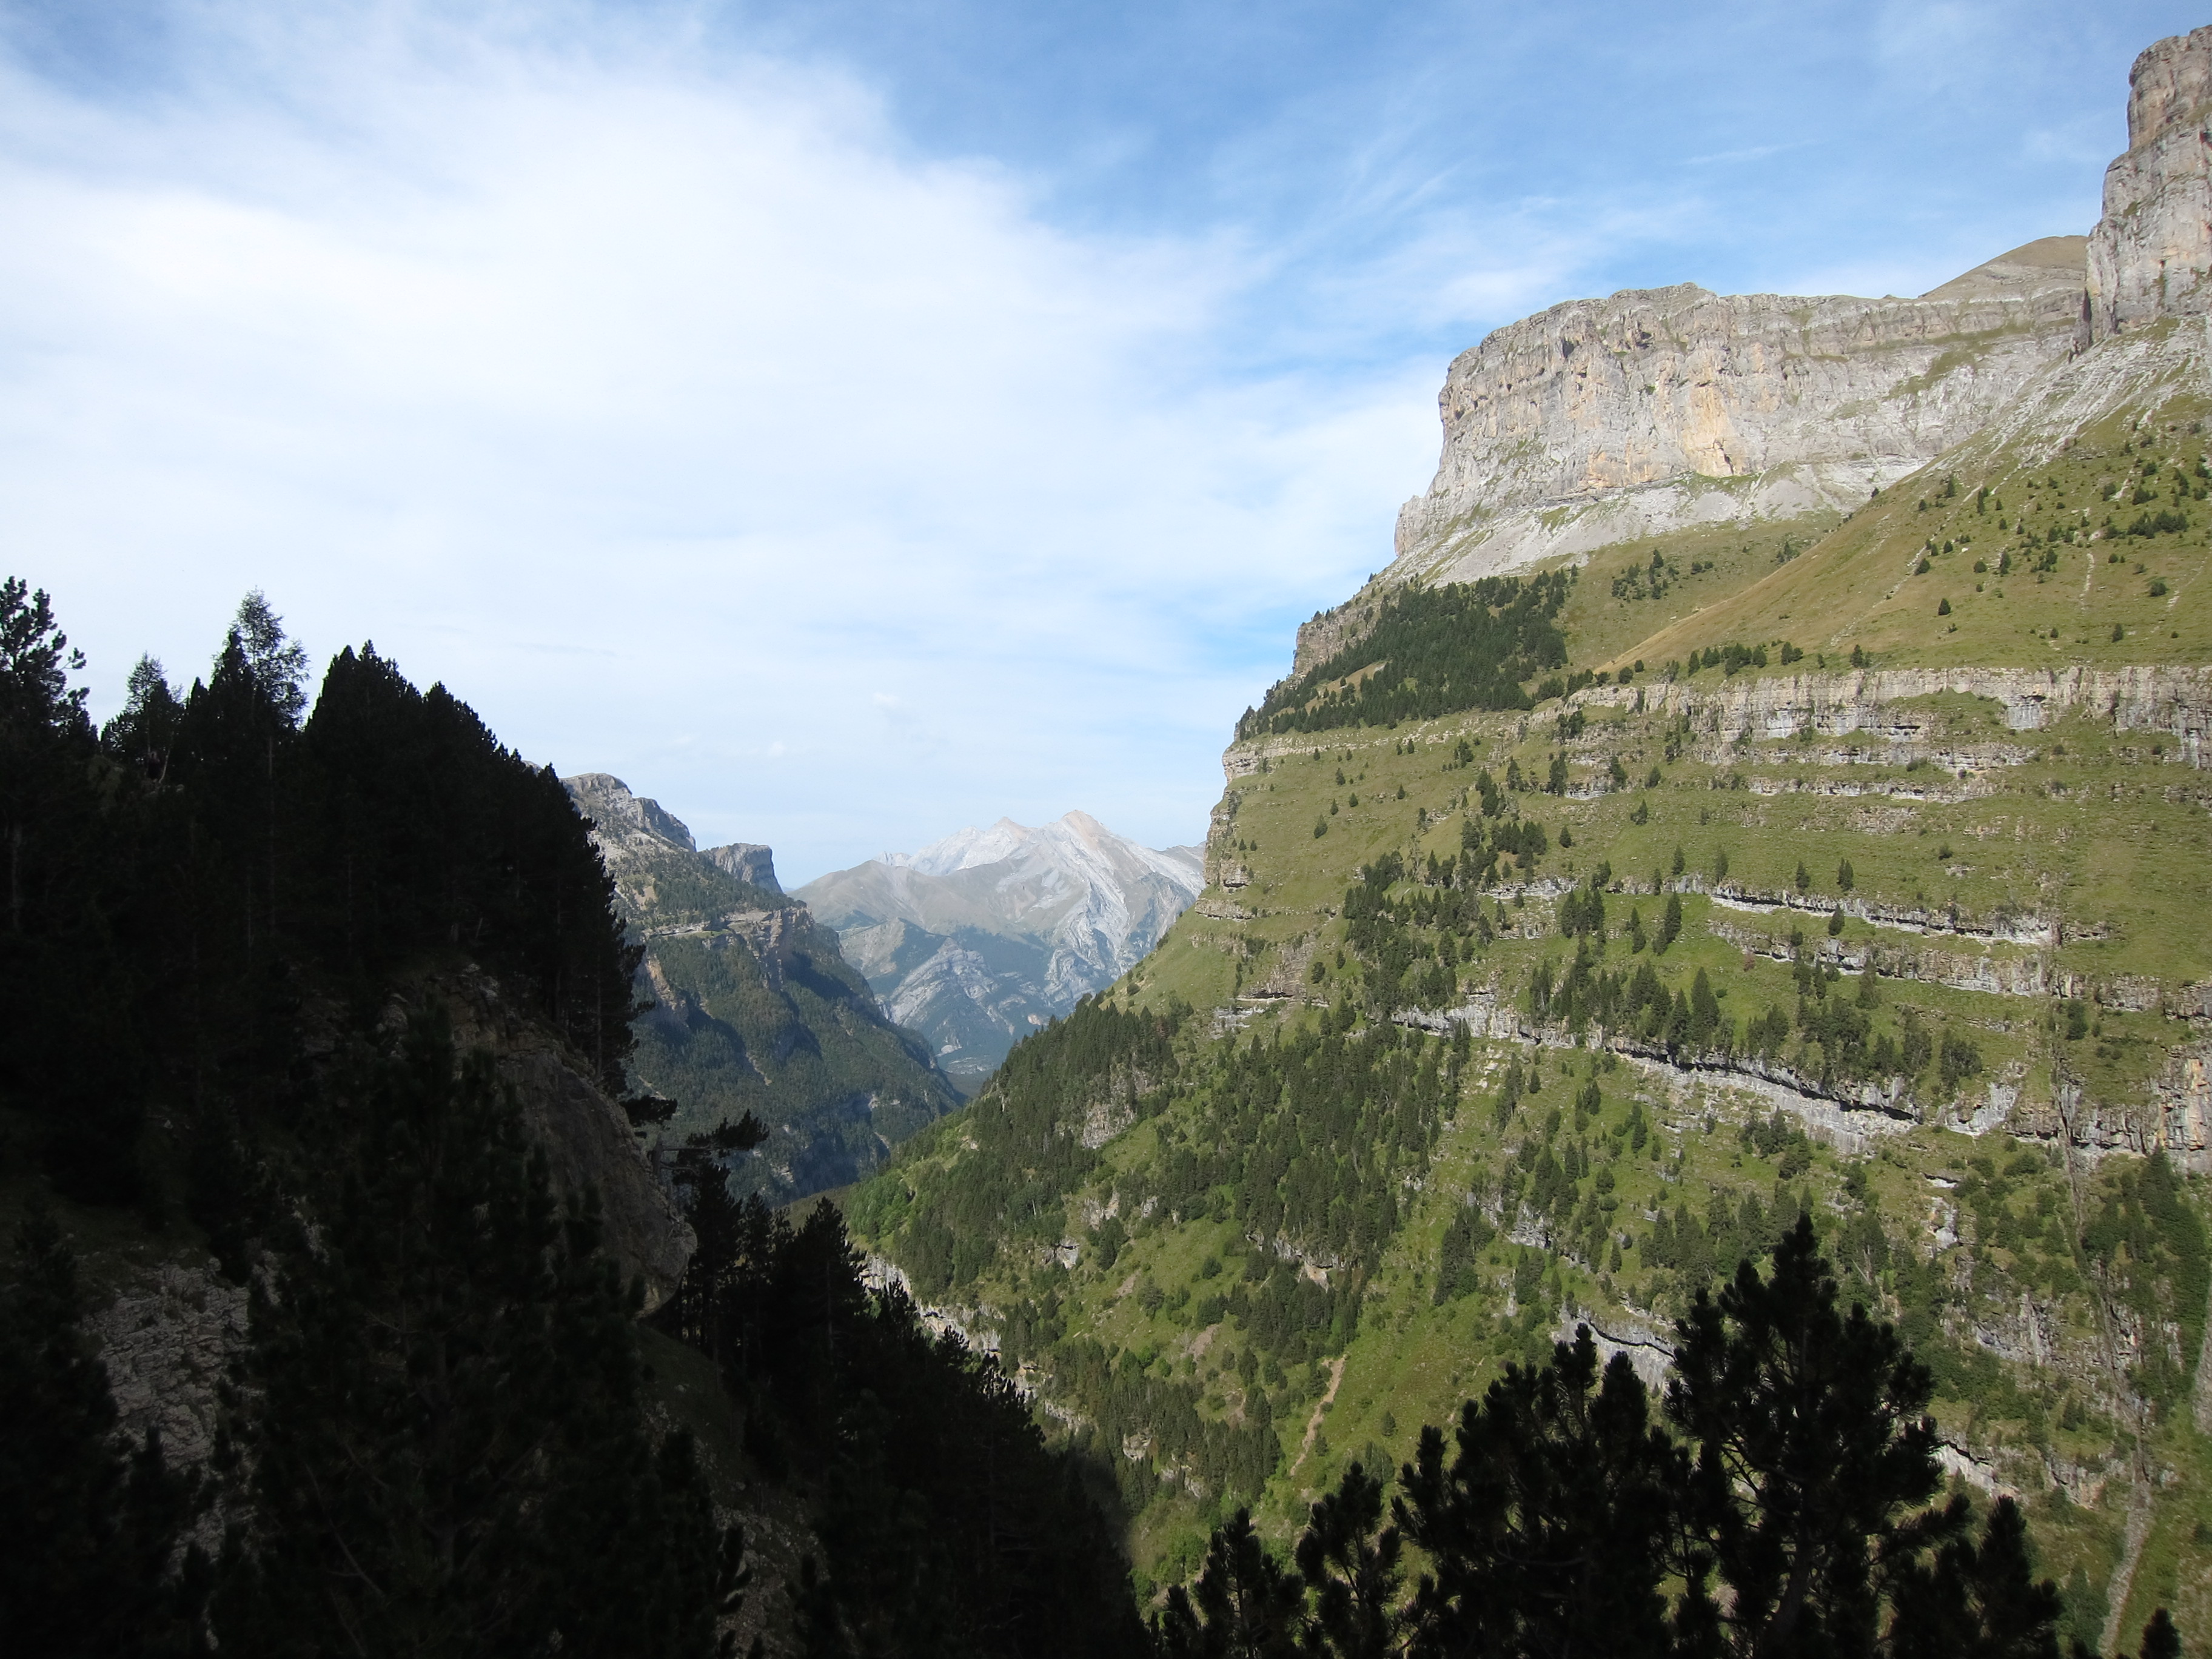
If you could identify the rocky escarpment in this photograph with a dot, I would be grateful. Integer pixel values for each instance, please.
(1599, 421)
(2174, 702)
(749, 861)
(2150, 253)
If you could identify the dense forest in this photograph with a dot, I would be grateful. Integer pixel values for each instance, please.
(1431, 651)
(437, 1434)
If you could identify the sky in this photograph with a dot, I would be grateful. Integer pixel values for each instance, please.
(849, 420)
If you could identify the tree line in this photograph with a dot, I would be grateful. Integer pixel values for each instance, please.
(191, 886)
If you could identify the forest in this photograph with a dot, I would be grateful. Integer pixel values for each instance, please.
(1432, 651)
(437, 1434)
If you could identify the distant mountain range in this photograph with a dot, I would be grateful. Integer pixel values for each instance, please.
(753, 1007)
(983, 937)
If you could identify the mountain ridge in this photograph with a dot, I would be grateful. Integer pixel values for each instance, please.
(987, 934)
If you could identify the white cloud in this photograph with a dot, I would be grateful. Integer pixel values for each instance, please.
(664, 415)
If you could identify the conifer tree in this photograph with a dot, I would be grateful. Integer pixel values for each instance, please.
(145, 727)
(1246, 1605)
(1548, 1530)
(1811, 1436)
(1972, 1600)
(443, 1448)
(87, 1526)
(1351, 1562)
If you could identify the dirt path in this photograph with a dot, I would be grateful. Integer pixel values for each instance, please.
(1313, 1422)
(2201, 1400)
(2123, 1576)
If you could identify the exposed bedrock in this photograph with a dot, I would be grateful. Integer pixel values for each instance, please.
(1599, 421)
(2149, 255)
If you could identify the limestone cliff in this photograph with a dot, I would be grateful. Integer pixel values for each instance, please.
(749, 861)
(2151, 252)
(1599, 421)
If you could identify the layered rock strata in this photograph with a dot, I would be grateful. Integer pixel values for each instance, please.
(1601, 420)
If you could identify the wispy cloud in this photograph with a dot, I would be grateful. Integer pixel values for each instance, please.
(1755, 153)
(657, 413)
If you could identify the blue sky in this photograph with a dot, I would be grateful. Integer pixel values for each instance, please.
(849, 420)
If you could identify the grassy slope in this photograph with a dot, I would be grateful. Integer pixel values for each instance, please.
(2122, 841)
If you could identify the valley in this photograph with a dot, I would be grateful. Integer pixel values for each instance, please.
(1696, 987)
(1835, 852)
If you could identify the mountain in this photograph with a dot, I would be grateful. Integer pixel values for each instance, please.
(752, 1007)
(1770, 781)
(987, 935)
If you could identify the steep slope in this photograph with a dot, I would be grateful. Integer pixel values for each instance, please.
(1816, 871)
(753, 1007)
(979, 938)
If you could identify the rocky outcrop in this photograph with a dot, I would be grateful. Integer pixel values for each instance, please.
(2173, 703)
(587, 1138)
(748, 861)
(2150, 253)
(167, 1339)
(622, 820)
(1599, 421)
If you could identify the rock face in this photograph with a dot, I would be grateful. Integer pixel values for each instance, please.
(748, 861)
(981, 937)
(623, 824)
(587, 1137)
(753, 1006)
(2150, 253)
(1599, 421)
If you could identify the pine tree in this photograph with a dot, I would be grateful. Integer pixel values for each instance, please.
(1704, 1009)
(1350, 1560)
(143, 730)
(1547, 1532)
(88, 1526)
(1973, 1601)
(441, 1426)
(1246, 1605)
(73, 1053)
(1810, 1436)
